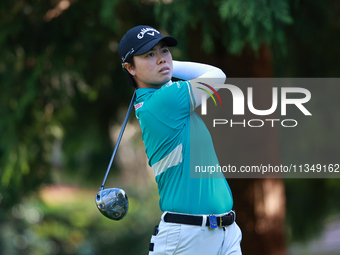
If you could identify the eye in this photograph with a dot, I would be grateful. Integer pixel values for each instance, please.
(166, 50)
(151, 54)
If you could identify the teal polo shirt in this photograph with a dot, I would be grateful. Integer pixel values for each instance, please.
(176, 140)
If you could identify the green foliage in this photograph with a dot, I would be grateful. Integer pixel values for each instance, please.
(312, 43)
(310, 202)
(61, 86)
(237, 23)
(66, 221)
(255, 22)
(57, 74)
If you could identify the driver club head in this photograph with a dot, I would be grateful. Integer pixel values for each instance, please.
(112, 203)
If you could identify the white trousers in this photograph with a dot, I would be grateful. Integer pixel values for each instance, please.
(175, 239)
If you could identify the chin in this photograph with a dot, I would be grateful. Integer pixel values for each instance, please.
(167, 79)
(165, 82)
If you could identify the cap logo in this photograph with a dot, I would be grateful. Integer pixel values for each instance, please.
(151, 31)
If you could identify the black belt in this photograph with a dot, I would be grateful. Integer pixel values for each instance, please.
(212, 220)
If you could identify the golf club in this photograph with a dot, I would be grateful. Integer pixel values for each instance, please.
(113, 203)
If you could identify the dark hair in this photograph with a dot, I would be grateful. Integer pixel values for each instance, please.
(130, 78)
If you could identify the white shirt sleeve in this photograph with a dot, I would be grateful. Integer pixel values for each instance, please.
(201, 76)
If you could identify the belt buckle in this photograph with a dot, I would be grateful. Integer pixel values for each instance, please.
(213, 221)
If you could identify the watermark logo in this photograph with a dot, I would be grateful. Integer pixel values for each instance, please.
(204, 97)
(295, 96)
(238, 100)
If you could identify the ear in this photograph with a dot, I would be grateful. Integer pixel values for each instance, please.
(128, 67)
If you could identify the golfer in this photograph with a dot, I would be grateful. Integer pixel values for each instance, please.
(198, 217)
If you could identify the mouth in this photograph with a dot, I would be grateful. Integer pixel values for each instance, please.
(164, 70)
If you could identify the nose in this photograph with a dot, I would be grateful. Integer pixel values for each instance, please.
(160, 59)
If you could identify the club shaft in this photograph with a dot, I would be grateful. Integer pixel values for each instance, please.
(119, 138)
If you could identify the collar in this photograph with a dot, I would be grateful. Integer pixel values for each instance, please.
(142, 91)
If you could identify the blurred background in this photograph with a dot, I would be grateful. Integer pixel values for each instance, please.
(63, 99)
